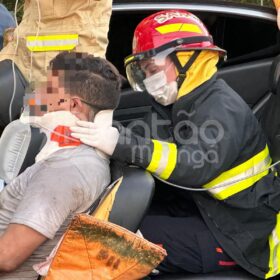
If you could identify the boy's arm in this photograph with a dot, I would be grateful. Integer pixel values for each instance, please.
(17, 244)
(52, 193)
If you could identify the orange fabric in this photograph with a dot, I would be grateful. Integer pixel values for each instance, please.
(219, 250)
(277, 4)
(99, 250)
(62, 135)
(105, 206)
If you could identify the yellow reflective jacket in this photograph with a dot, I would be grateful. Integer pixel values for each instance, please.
(48, 27)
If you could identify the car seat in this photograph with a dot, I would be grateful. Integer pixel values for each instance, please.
(20, 143)
(11, 101)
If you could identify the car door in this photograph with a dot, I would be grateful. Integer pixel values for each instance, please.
(248, 33)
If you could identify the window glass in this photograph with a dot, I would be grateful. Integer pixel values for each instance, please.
(265, 3)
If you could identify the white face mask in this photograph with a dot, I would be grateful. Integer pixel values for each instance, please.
(163, 92)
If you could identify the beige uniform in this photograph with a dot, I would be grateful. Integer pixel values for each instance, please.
(51, 26)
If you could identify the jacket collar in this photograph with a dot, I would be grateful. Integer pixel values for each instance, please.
(186, 102)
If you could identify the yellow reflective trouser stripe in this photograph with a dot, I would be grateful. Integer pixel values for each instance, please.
(164, 159)
(52, 42)
(178, 27)
(274, 245)
(252, 166)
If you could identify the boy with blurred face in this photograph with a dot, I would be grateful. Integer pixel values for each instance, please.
(67, 177)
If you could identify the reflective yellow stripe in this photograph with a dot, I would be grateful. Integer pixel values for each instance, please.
(172, 160)
(252, 166)
(128, 59)
(274, 245)
(236, 188)
(52, 37)
(42, 43)
(52, 48)
(240, 168)
(163, 159)
(178, 27)
(153, 166)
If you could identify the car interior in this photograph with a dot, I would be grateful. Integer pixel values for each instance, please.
(250, 70)
(19, 145)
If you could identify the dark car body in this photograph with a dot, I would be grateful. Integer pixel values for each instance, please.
(249, 34)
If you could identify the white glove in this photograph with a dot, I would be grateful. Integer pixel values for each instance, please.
(97, 136)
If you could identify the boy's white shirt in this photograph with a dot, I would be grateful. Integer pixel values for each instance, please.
(50, 121)
(47, 125)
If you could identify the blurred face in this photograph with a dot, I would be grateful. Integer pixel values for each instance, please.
(53, 95)
(49, 96)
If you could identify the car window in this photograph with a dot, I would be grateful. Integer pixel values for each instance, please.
(245, 38)
(264, 3)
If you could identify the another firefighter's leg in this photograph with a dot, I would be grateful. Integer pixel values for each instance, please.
(189, 244)
(6, 92)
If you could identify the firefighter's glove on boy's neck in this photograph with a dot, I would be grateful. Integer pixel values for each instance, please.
(98, 134)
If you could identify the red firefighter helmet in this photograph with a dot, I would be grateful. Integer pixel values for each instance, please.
(177, 30)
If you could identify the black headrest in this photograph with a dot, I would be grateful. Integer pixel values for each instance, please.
(37, 141)
(7, 91)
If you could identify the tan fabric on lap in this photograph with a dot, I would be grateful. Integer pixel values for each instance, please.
(95, 249)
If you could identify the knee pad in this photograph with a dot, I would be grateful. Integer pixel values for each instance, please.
(6, 92)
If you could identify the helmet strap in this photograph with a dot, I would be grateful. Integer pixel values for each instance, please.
(183, 69)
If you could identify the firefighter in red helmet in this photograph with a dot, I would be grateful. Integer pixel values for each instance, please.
(222, 209)
(159, 41)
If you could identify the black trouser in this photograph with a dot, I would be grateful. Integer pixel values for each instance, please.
(6, 92)
(190, 245)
